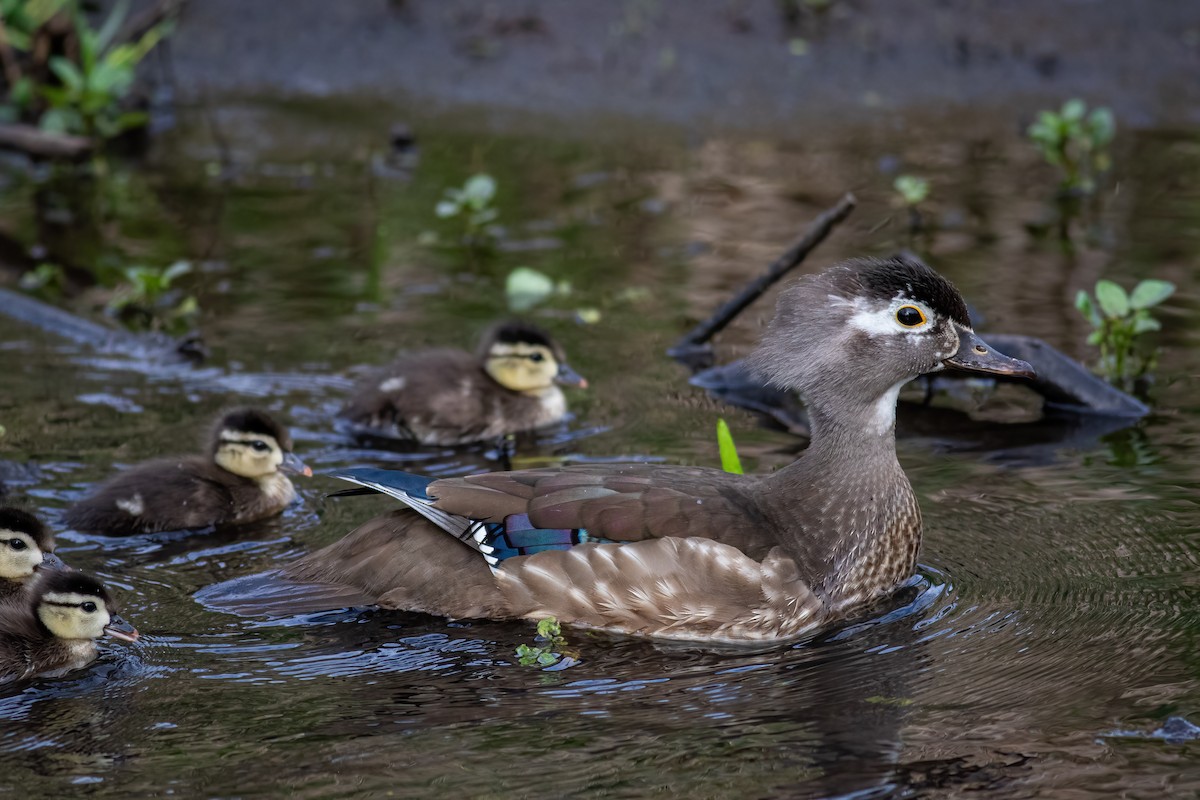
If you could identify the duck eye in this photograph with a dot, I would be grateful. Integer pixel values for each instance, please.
(536, 357)
(260, 446)
(910, 316)
(88, 607)
(17, 544)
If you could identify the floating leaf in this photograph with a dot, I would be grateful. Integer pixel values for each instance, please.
(729, 455)
(914, 190)
(479, 190)
(900, 702)
(1150, 293)
(1145, 324)
(526, 288)
(1112, 299)
(588, 316)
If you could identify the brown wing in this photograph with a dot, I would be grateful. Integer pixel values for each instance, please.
(619, 502)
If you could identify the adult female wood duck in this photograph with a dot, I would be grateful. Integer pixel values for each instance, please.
(25, 545)
(51, 629)
(691, 553)
(240, 480)
(451, 397)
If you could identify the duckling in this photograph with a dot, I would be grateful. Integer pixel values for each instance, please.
(52, 629)
(240, 480)
(450, 397)
(25, 545)
(695, 553)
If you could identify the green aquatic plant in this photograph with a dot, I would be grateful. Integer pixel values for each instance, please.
(730, 462)
(1076, 141)
(1119, 320)
(146, 296)
(911, 191)
(549, 648)
(473, 206)
(47, 280)
(83, 90)
(89, 100)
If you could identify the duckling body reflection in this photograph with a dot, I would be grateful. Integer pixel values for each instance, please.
(52, 628)
(694, 553)
(25, 545)
(451, 397)
(240, 480)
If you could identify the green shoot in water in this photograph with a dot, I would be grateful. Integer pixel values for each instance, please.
(1076, 142)
(550, 648)
(729, 455)
(1118, 321)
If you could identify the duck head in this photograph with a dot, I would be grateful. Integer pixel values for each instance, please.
(74, 606)
(524, 358)
(250, 443)
(25, 544)
(848, 338)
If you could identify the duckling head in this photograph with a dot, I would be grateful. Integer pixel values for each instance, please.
(523, 358)
(24, 543)
(247, 442)
(74, 606)
(848, 338)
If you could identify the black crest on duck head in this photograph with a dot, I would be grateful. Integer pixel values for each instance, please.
(518, 332)
(14, 519)
(251, 420)
(67, 582)
(883, 278)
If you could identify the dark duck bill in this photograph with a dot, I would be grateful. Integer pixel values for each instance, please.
(976, 355)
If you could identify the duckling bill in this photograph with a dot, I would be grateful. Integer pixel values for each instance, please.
(52, 629)
(241, 479)
(694, 553)
(450, 397)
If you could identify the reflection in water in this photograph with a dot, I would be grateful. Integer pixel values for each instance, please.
(1058, 603)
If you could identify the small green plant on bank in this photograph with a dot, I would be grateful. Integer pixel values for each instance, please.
(1076, 142)
(1118, 322)
(147, 298)
(85, 92)
(550, 646)
(729, 455)
(911, 191)
(47, 280)
(473, 207)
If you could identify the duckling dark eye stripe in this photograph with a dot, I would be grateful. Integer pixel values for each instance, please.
(529, 356)
(64, 605)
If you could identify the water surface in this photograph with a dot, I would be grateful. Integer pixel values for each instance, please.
(1050, 633)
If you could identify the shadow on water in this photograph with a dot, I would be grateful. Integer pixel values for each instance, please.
(1057, 603)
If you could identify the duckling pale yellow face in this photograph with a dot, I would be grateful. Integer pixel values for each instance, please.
(24, 542)
(77, 607)
(522, 367)
(19, 555)
(523, 358)
(250, 444)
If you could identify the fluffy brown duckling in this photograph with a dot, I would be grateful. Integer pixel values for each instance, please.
(52, 628)
(451, 397)
(240, 480)
(686, 552)
(25, 546)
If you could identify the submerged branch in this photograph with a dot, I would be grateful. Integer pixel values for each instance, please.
(34, 141)
(820, 228)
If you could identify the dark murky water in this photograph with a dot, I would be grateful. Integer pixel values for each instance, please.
(1051, 633)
